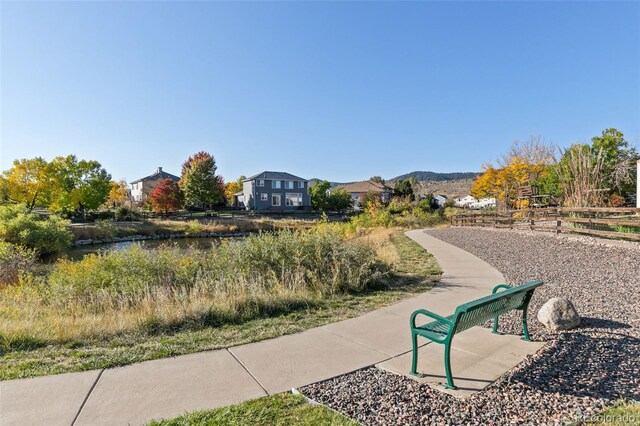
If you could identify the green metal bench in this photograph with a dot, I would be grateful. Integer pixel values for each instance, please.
(469, 315)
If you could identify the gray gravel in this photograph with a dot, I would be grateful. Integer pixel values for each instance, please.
(576, 375)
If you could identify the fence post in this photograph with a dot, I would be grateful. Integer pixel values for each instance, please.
(531, 220)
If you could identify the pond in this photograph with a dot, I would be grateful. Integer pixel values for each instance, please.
(77, 253)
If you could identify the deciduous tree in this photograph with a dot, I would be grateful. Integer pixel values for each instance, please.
(27, 182)
(339, 200)
(166, 196)
(231, 188)
(117, 194)
(199, 183)
(77, 185)
(319, 195)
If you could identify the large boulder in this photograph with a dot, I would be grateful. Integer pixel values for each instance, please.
(559, 314)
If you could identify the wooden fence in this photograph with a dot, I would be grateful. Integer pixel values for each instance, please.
(619, 223)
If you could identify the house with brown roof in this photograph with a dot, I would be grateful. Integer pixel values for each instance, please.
(360, 190)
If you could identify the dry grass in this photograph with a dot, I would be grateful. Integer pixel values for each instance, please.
(89, 319)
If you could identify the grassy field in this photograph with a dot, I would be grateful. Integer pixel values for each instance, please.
(279, 410)
(80, 342)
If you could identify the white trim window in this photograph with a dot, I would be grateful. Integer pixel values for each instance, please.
(288, 184)
(264, 196)
(260, 182)
(293, 200)
(275, 200)
(300, 184)
(276, 184)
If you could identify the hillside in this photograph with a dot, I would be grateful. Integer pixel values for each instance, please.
(436, 177)
(450, 188)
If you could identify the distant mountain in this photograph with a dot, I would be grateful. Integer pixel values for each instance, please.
(314, 181)
(436, 177)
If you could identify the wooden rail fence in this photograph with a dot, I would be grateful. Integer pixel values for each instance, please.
(618, 223)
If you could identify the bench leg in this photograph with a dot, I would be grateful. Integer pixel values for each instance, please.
(447, 365)
(414, 359)
(495, 325)
(524, 326)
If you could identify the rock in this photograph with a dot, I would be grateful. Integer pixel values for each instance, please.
(558, 314)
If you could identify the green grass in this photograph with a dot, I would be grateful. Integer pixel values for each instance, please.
(621, 414)
(283, 410)
(413, 273)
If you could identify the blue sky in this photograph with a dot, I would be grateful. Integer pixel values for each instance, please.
(335, 90)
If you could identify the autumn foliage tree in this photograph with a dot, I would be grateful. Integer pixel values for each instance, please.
(523, 164)
(117, 194)
(231, 188)
(199, 182)
(65, 184)
(27, 182)
(166, 196)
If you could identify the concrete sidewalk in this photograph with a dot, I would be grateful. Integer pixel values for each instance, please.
(170, 387)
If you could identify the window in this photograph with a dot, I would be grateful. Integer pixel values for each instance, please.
(288, 184)
(275, 199)
(300, 184)
(293, 199)
(260, 182)
(276, 184)
(264, 196)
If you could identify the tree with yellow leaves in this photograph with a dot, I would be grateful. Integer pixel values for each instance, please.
(27, 182)
(117, 194)
(520, 167)
(232, 188)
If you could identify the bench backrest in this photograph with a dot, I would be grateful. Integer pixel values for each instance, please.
(486, 308)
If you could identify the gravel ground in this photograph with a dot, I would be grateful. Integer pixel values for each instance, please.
(576, 375)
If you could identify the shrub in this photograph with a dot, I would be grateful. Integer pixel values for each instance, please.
(15, 261)
(194, 227)
(124, 213)
(105, 229)
(43, 234)
(399, 205)
(426, 204)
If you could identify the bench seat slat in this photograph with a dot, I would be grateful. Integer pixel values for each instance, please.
(435, 330)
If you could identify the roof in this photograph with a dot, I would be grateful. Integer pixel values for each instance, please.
(364, 186)
(158, 175)
(275, 176)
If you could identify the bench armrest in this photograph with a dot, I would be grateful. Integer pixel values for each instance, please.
(430, 314)
(500, 287)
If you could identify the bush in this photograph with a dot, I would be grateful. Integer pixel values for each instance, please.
(426, 204)
(43, 234)
(15, 261)
(126, 214)
(105, 229)
(194, 227)
(399, 205)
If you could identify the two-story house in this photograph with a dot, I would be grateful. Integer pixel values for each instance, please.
(274, 191)
(141, 188)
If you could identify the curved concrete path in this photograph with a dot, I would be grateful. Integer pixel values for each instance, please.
(169, 387)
